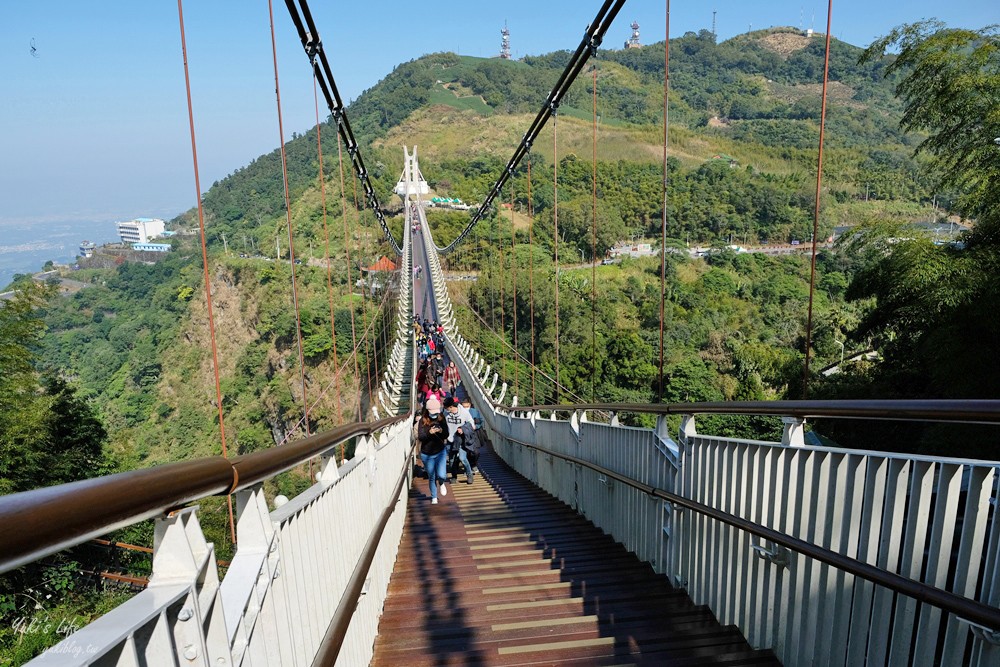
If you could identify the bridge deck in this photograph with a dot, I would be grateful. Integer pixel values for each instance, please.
(501, 573)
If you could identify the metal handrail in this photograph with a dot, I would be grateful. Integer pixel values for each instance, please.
(253, 468)
(972, 411)
(336, 632)
(962, 607)
(44, 521)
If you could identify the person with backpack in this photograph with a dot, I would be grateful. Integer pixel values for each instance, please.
(431, 434)
(476, 441)
(461, 433)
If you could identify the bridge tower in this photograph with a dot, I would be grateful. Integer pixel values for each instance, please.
(411, 181)
(505, 43)
(633, 41)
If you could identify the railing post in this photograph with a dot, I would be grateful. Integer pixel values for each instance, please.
(793, 434)
(329, 471)
(688, 428)
(182, 556)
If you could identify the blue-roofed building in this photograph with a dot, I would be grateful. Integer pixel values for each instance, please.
(151, 247)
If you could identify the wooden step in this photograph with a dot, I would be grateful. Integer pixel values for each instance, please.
(501, 573)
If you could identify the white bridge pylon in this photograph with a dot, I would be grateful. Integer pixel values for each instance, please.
(411, 181)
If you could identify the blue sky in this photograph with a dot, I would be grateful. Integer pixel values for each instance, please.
(95, 122)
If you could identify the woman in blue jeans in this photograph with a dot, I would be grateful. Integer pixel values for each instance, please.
(432, 433)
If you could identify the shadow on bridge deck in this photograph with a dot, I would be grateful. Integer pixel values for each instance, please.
(501, 573)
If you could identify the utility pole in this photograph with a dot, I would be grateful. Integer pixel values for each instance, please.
(277, 244)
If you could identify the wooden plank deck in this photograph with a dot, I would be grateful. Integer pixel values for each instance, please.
(501, 573)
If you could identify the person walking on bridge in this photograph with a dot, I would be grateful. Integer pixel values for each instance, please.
(451, 378)
(461, 432)
(432, 433)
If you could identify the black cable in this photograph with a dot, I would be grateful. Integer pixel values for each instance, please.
(324, 76)
(592, 39)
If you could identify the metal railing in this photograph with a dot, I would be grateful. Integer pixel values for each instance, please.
(308, 580)
(827, 556)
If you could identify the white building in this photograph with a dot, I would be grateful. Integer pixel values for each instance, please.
(140, 230)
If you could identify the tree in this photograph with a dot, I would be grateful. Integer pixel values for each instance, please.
(934, 314)
(950, 89)
(48, 434)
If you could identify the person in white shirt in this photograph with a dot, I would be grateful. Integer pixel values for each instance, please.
(460, 423)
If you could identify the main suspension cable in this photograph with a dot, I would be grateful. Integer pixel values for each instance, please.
(324, 74)
(204, 259)
(588, 46)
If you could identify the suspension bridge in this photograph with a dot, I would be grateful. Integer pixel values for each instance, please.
(584, 541)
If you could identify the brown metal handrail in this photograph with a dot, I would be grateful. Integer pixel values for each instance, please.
(253, 468)
(44, 521)
(336, 632)
(971, 411)
(962, 607)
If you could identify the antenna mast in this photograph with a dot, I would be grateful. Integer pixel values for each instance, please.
(633, 41)
(505, 43)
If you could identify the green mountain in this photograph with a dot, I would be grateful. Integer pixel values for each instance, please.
(136, 341)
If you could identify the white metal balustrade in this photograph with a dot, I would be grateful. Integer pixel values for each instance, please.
(691, 505)
(288, 589)
(928, 519)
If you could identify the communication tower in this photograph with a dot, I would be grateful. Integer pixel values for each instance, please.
(633, 41)
(505, 43)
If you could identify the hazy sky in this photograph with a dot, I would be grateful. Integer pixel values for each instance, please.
(94, 122)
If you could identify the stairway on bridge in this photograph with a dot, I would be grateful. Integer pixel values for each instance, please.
(501, 573)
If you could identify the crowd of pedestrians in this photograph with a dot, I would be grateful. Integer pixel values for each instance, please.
(447, 424)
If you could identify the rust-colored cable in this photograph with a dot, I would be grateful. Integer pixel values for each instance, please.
(493, 289)
(514, 353)
(593, 262)
(503, 328)
(350, 285)
(531, 281)
(204, 259)
(372, 347)
(513, 271)
(288, 217)
(555, 235)
(364, 299)
(329, 264)
(663, 225)
(819, 185)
